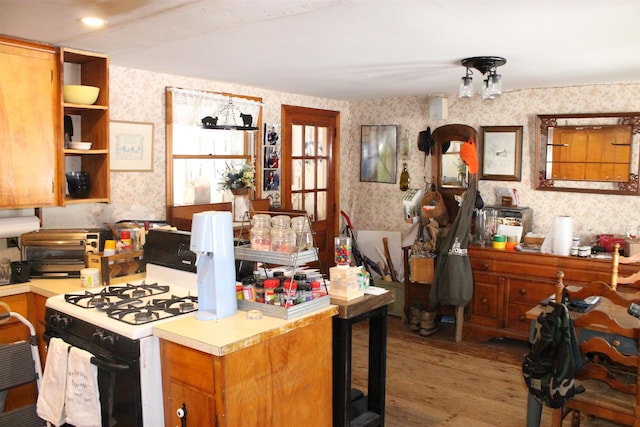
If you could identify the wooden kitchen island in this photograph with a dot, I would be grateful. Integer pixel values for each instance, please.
(239, 372)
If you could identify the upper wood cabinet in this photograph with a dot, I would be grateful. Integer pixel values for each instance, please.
(91, 124)
(29, 124)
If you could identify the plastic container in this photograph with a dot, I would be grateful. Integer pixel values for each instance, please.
(90, 277)
(5, 271)
(248, 289)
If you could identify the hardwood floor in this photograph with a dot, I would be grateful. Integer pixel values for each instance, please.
(435, 381)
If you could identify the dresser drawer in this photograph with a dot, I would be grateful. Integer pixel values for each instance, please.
(517, 320)
(483, 264)
(529, 292)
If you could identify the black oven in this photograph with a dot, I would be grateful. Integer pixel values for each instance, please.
(118, 361)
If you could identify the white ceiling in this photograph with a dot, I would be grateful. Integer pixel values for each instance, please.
(348, 49)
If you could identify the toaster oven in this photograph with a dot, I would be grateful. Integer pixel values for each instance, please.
(61, 252)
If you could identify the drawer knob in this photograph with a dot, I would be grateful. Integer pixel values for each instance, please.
(485, 266)
(616, 343)
(523, 291)
(522, 318)
(484, 301)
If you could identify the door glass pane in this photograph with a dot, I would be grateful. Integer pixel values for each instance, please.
(296, 174)
(322, 141)
(309, 175)
(309, 205)
(322, 203)
(310, 140)
(322, 173)
(296, 141)
(296, 201)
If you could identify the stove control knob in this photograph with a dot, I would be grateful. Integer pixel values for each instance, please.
(103, 339)
(59, 321)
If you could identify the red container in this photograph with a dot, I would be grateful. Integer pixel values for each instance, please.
(607, 241)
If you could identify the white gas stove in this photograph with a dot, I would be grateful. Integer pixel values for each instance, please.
(132, 309)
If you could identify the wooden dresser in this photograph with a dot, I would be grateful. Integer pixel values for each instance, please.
(508, 283)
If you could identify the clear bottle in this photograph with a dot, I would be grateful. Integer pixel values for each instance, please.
(290, 292)
(260, 291)
(270, 286)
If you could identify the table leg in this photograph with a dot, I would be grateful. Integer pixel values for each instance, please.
(342, 337)
(377, 362)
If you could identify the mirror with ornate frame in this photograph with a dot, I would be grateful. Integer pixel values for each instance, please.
(588, 153)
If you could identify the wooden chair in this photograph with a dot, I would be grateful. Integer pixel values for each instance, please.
(608, 339)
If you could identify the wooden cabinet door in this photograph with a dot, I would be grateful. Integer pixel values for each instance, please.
(29, 118)
(486, 306)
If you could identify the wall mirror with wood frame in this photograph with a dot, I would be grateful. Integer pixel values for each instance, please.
(451, 174)
(588, 153)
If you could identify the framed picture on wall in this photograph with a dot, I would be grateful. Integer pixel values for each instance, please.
(131, 146)
(378, 153)
(501, 153)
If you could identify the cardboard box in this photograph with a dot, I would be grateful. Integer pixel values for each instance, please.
(118, 265)
(421, 269)
(344, 283)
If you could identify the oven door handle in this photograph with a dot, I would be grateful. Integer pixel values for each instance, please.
(58, 242)
(108, 366)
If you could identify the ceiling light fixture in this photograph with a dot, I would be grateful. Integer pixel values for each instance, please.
(487, 65)
(92, 21)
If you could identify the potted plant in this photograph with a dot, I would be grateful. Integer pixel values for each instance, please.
(239, 179)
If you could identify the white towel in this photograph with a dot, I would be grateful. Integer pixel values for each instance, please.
(50, 406)
(82, 397)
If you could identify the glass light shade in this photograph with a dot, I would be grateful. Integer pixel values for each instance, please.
(494, 84)
(485, 91)
(466, 87)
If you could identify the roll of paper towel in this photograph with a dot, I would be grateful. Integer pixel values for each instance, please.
(16, 226)
(562, 235)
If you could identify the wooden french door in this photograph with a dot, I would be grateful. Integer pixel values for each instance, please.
(310, 172)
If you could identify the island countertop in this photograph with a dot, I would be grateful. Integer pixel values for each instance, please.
(224, 336)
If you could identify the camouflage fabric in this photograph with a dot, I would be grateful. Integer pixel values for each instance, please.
(549, 368)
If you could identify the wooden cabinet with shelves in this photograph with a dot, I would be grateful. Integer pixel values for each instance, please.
(509, 283)
(92, 69)
(29, 124)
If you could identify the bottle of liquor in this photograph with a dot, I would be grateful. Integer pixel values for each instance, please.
(404, 178)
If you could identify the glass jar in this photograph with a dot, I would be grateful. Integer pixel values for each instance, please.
(342, 251)
(5, 271)
(248, 288)
(281, 221)
(260, 238)
(260, 291)
(290, 292)
(261, 221)
(270, 286)
(283, 240)
(304, 237)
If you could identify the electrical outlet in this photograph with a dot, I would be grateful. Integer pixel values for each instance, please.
(12, 242)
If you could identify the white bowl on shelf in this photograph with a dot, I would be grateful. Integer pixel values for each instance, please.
(77, 145)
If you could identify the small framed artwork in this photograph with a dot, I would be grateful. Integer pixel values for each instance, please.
(501, 153)
(131, 146)
(378, 153)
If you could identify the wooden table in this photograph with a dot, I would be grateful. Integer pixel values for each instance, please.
(373, 308)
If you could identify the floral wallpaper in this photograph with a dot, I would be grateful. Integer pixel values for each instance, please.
(592, 213)
(139, 96)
